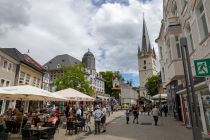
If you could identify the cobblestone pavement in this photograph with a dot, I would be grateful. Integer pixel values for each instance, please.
(168, 129)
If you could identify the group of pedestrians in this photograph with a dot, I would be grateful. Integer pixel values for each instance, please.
(155, 112)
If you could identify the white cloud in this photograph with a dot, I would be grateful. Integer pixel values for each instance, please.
(111, 31)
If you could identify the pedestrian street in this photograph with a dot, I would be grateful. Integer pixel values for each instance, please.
(117, 129)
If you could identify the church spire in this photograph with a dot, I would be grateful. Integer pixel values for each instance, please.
(146, 46)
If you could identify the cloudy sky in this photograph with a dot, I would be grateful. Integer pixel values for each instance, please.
(111, 29)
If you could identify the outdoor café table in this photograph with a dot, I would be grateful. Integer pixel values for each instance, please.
(40, 130)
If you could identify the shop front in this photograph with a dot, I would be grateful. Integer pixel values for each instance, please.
(202, 103)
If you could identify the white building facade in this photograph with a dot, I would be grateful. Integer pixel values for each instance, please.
(190, 19)
(129, 96)
(94, 78)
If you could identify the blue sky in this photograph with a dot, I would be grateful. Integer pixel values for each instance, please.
(111, 29)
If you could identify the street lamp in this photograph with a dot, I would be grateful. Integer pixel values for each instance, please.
(189, 78)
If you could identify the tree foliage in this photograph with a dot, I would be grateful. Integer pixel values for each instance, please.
(74, 77)
(107, 76)
(152, 85)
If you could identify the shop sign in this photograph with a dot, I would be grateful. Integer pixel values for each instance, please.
(202, 67)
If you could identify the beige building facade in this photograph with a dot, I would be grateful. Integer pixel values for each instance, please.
(18, 69)
(190, 19)
(7, 70)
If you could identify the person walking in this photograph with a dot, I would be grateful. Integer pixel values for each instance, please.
(127, 114)
(103, 119)
(155, 113)
(135, 114)
(97, 116)
(165, 109)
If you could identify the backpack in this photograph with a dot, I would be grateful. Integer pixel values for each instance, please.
(98, 115)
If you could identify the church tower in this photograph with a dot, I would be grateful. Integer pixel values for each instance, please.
(146, 60)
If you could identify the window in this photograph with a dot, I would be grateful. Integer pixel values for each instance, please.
(2, 82)
(169, 51)
(5, 64)
(38, 82)
(145, 62)
(58, 66)
(7, 83)
(27, 81)
(10, 66)
(163, 74)
(34, 81)
(178, 47)
(145, 67)
(174, 9)
(46, 67)
(189, 37)
(161, 53)
(202, 23)
(22, 78)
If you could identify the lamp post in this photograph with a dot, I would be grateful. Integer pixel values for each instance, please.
(189, 78)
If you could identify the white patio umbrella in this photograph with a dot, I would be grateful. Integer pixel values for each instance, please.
(74, 95)
(158, 96)
(29, 93)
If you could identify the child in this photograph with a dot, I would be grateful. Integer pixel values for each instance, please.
(127, 113)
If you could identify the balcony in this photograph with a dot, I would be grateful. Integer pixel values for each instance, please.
(176, 71)
(173, 24)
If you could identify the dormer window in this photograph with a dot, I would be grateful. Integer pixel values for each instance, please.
(58, 66)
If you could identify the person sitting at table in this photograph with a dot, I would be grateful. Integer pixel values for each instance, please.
(52, 119)
(18, 119)
(30, 111)
(57, 112)
(9, 112)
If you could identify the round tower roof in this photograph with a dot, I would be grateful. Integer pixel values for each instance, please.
(90, 54)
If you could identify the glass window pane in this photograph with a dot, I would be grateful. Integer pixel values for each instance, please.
(5, 64)
(205, 28)
(178, 50)
(201, 9)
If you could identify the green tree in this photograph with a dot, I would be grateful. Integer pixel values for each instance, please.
(74, 77)
(152, 85)
(107, 76)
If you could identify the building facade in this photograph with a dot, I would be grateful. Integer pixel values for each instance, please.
(146, 61)
(55, 66)
(129, 96)
(94, 78)
(190, 19)
(19, 69)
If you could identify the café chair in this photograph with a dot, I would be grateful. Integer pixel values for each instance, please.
(49, 135)
(71, 127)
(26, 135)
